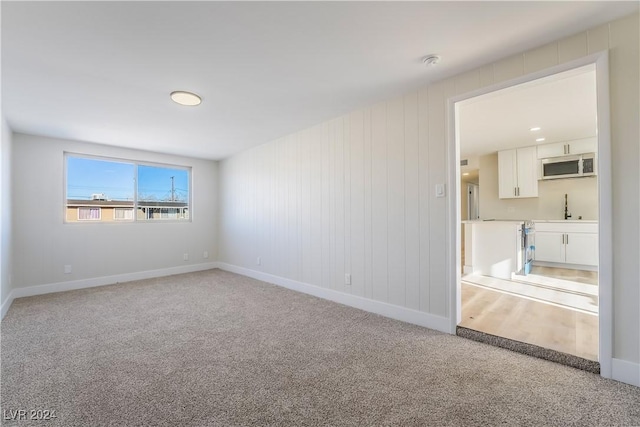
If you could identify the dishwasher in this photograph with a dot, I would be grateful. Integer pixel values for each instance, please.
(527, 238)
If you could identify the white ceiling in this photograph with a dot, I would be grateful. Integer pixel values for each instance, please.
(564, 106)
(103, 71)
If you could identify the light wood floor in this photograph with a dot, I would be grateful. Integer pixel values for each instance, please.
(533, 322)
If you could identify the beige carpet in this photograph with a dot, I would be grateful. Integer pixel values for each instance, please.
(217, 349)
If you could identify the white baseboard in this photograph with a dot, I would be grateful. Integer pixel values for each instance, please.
(388, 310)
(626, 372)
(100, 281)
(564, 265)
(6, 304)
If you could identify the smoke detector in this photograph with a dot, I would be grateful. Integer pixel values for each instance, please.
(431, 60)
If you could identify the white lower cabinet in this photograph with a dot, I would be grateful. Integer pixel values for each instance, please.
(549, 246)
(567, 243)
(582, 248)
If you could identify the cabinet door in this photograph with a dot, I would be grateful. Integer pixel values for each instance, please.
(549, 246)
(581, 248)
(527, 172)
(551, 150)
(507, 174)
(582, 146)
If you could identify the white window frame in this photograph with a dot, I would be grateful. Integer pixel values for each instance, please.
(135, 163)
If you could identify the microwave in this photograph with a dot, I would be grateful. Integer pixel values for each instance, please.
(568, 166)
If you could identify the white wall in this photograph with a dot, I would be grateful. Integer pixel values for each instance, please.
(356, 194)
(624, 42)
(352, 195)
(582, 197)
(6, 145)
(43, 243)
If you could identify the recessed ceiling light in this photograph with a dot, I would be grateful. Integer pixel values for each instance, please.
(185, 98)
(431, 60)
(539, 139)
(535, 129)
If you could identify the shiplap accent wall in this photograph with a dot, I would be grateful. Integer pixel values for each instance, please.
(356, 194)
(350, 196)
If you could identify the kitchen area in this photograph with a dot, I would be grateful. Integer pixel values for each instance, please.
(550, 205)
(529, 210)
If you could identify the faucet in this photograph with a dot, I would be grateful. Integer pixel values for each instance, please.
(567, 215)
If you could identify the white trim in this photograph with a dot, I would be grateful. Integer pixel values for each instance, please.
(100, 281)
(6, 304)
(605, 217)
(626, 372)
(565, 265)
(384, 309)
(601, 61)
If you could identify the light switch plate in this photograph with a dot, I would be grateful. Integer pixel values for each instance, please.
(440, 190)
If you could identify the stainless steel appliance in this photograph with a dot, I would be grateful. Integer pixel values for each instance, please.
(568, 166)
(527, 242)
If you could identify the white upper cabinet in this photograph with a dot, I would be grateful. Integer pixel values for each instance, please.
(577, 146)
(507, 174)
(517, 173)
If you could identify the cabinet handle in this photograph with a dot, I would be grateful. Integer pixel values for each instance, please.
(515, 193)
(568, 148)
(567, 238)
(563, 238)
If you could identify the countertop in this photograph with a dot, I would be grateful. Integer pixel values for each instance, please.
(485, 221)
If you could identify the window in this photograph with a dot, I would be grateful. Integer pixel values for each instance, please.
(123, 214)
(107, 190)
(89, 214)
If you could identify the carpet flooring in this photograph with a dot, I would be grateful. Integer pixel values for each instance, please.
(218, 349)
(530, 349)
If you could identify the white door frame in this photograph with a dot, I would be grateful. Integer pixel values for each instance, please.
(605, 266)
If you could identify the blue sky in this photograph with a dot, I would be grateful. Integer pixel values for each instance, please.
(116, 180)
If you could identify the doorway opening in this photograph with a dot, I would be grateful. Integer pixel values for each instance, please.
(528, 244)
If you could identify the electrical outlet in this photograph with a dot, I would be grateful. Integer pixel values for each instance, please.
(259, 261)
(205, 254)
(347, 279)
(185, 257)
(67, 269)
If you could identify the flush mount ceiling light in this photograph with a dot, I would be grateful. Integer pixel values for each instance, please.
(185, 98)
(539, 139)
(431, 60)
(535, 129)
